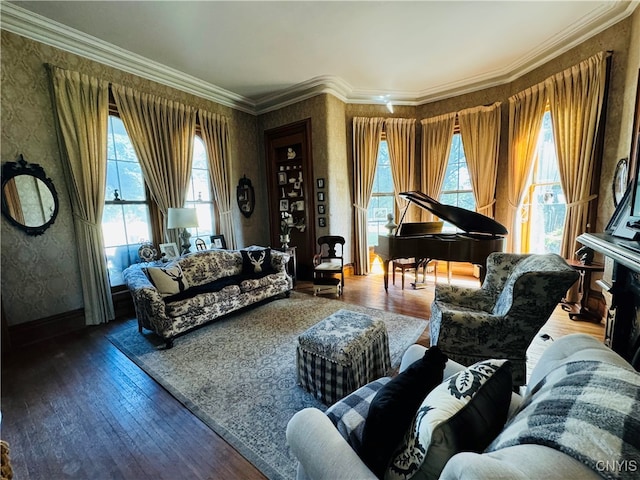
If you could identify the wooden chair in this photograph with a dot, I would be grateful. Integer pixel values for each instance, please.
(329, 261)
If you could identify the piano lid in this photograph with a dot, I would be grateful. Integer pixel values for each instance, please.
(466, 220)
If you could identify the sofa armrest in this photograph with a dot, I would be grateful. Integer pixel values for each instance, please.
(279, 260)
(477, 298)
(148, 303)
(322, 452)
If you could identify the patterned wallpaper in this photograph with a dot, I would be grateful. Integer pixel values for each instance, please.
(40, 274)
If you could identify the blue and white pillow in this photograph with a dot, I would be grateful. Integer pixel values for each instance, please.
(464, 413)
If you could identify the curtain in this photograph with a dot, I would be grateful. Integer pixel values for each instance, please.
(366, 141)
(576, 96)
(401, 140)
(81, 105)
(480, 132)
(161, 133)
(526, 110)
(215, 133)
(437, 134)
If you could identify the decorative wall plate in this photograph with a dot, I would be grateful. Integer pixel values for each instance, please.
(147, 252)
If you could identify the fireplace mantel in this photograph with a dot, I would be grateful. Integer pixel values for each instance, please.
(621, 289)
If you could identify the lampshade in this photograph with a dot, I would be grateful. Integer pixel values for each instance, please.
(182, 218)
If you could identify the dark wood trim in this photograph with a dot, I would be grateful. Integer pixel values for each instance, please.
(46, 328)
(23, 334)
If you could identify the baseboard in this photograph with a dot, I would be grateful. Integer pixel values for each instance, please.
(35, 331)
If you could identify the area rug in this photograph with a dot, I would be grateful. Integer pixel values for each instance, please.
(238, 374)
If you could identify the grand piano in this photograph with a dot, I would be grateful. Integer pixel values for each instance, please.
(482, 235)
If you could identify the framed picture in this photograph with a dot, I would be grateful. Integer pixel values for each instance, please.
(321, 209)
(170, 250)
(321, 196)
(217, 241)
(297, 206)
(284, 205)
(320, 182)
(282, 178)
(322, 222)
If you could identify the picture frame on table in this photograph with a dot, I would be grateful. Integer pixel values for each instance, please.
(320, 182)
(218, 241)
(282, 178)
(170, 250)
(284, 205)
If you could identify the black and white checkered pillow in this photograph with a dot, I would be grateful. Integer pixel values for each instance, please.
(350, 413)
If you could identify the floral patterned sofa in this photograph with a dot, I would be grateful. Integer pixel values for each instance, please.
(197, 288)
(500, 319)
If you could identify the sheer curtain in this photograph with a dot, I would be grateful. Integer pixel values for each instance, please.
(81, 105)
(526, 110)
(161, 133)
(366, 141)
(437, 134)
(215, 132)
(576, 96)
(401, 140)
(480, 132)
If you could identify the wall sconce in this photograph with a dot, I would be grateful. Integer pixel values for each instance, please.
(183, 218)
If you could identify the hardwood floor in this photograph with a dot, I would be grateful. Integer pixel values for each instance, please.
(77, 407)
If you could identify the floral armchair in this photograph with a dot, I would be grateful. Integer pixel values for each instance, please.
(500, 319)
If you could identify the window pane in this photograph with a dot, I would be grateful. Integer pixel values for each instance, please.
(383, 181)
(199, 188)
(119, 258)
(456, 189)
(379, 208)
(547, 219)
(131, 181)
(113, 231)
(124, 225)
(543, 222)
(199, 154)
(136, 223)
(112, 180)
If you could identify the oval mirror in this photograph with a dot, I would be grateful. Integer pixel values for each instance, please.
(29, 199)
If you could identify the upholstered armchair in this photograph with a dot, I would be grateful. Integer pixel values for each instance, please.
(500, 319)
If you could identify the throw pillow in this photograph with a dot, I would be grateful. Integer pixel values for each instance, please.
(350, 413)
(394, 407)
(463, 414)
(256, 261)
(168, 280)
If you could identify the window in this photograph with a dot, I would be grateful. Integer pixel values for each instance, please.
(544, 203)
(382, 200)
(125, 221)
(456, 188)
(199, 193)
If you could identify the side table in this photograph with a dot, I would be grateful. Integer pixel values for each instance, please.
(292, 266)
(580, 311)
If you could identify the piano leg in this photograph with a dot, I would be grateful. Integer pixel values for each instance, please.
(385, 268)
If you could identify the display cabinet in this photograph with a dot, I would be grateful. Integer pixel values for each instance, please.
(290, 186)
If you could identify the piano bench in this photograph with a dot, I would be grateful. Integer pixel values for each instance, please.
(404, 264)
(327, 285)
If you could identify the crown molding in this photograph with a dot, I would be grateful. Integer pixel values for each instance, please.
(36, 27)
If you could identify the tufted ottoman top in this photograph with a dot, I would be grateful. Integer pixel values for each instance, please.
(342, 335)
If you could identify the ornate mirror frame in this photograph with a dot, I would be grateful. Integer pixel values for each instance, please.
(11, 170)
(620, 180)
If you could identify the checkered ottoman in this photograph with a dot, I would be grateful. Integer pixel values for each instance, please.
(342, 353)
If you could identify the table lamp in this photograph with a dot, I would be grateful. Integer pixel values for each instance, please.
(183, 218)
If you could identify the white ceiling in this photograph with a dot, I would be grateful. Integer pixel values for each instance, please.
(261, 55)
